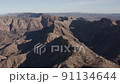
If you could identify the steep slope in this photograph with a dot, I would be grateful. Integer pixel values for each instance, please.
(101, 36)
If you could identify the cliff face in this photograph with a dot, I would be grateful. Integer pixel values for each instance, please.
(18, 36)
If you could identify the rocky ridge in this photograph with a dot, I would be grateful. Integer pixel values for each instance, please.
(19, 35)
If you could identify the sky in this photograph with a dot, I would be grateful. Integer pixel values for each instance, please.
(59, 6)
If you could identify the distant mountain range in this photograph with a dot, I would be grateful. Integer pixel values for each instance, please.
(88, 16)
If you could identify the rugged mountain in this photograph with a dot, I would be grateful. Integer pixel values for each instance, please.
(18, 36)
(28, 24)
(60, 35)
(101, 36)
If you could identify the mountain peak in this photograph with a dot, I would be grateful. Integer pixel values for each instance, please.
(108, 21)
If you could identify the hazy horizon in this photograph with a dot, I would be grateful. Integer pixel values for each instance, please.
(57, 13)
(62, 6)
